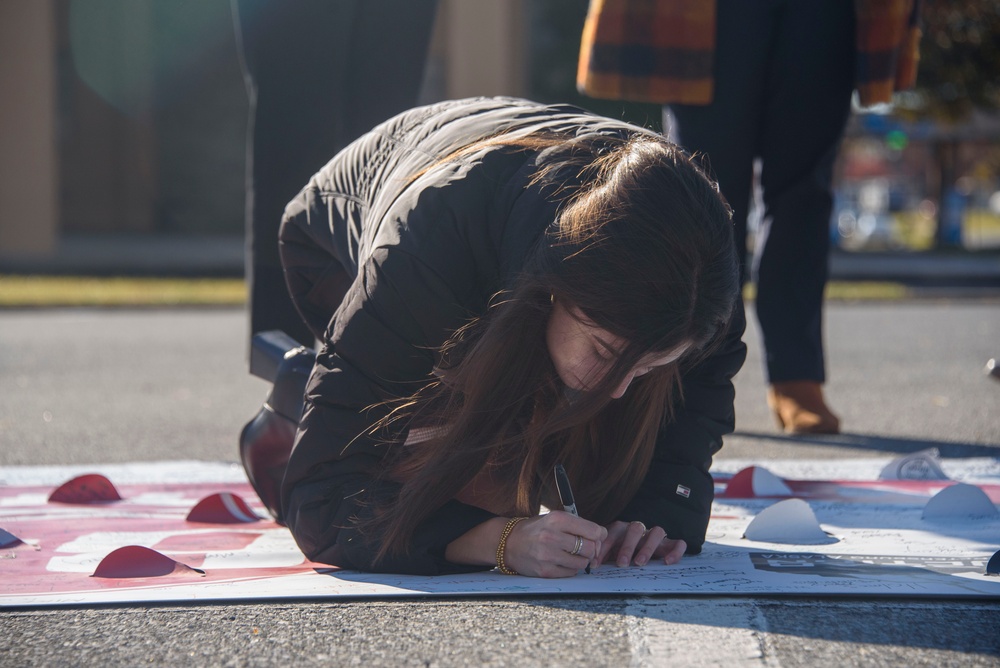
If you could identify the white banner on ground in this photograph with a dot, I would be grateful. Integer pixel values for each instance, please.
(145, 547)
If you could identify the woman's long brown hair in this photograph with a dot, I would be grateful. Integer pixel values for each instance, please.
(643, 247)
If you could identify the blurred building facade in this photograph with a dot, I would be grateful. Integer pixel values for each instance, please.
(126, 119)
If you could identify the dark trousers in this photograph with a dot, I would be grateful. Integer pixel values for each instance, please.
(784, 73)
(320, 73)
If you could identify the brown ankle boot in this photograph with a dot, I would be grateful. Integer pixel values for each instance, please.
(799, 408)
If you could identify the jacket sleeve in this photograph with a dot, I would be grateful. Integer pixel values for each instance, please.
(379, 346)
(678, 490)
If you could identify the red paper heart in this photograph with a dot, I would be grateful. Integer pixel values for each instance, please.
(222, 508)
(90, 488)
(136, 561)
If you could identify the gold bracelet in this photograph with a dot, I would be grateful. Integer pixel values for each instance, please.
(502, 547)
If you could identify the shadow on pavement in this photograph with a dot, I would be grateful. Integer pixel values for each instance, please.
(852, 620)
(887, 444)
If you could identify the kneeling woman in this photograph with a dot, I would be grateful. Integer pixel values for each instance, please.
(501, 286)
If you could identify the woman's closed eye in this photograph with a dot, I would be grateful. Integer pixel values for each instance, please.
(604, 355)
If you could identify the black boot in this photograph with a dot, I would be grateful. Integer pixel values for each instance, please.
(266, 441)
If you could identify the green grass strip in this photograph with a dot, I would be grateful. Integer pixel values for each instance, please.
(41, 291)
(866, 290)
(853, 291)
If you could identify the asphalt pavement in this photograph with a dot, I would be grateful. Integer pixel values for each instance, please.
(92, 386)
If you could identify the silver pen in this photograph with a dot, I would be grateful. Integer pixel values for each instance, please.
(566, 496)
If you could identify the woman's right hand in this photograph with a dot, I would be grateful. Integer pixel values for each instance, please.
(543, 546)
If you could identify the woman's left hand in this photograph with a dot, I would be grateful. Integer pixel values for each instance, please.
(631, 543)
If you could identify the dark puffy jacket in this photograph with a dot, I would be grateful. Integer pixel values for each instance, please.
(387, 251)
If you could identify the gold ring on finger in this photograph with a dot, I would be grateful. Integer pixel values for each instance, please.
(579, 546)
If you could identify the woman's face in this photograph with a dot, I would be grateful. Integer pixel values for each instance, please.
(583, 353)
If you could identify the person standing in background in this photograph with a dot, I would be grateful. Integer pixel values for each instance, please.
(767, 80)
(319, 73)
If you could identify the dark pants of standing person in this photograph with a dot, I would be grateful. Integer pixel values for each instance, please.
(320, 74)
(784, 74)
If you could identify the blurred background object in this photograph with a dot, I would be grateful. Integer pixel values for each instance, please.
(126, 124)
(992, 369)
(929, 166)
(318, 75)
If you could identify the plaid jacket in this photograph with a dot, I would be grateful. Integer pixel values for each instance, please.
(662, 50)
